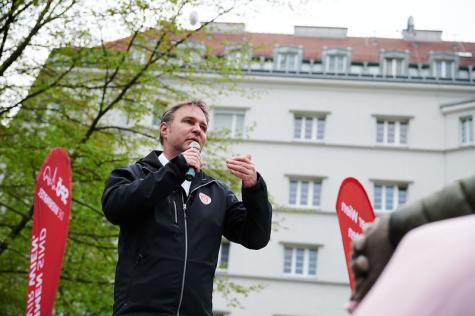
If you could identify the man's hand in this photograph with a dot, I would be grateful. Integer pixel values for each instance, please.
(243, 168)
(371, 252)
(193, 158)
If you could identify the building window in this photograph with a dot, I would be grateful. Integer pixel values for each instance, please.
(137, 53)
(287, 58)
(237, 54)
(335, 63)
(223, 256)
(305, 193)
(229, 121)
(336, 60)
(393, 66)
(287, 61)
(443, 65)
(300, 261)
(443, 68)
(191, 53)
(388, 197)
(391, 132)
(393, 63)
(466, 130)
(309, 127)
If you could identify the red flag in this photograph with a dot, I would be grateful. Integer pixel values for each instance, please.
(354, 213)
(50, 228)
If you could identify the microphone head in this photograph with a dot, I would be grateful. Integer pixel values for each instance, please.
(195, 145)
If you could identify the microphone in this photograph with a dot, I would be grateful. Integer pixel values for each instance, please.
(190, 174)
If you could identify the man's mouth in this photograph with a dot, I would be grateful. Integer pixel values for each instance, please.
(193, 140)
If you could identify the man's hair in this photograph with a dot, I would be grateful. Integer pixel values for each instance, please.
(169, 113)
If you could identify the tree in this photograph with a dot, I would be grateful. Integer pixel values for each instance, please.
(75, 102)
(29, 29)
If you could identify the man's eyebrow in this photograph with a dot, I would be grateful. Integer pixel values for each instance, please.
(195, 119)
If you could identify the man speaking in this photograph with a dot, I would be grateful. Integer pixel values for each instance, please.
(171, 228)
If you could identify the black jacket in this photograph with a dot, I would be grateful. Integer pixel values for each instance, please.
(169, 242)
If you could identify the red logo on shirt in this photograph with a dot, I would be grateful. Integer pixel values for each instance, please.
(204, 199)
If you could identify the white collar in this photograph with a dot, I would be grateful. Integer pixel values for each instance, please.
(163, 159)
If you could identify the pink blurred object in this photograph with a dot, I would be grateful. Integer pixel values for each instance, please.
(351, 306)
(432, 273)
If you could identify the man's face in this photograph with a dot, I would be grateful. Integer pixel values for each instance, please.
(188, 125)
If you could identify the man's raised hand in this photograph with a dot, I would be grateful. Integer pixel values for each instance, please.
(243, 168)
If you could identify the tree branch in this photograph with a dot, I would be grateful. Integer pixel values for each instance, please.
(103, 247)
(125, 129)
(12, 209)
(24, 43)
(38, 92)
(81, 280)
(87, 206)
(16, 230)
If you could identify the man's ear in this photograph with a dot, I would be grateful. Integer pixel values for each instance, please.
(164, 130)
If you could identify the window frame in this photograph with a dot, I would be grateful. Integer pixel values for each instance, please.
(234, 112)
(281, 52)
(137, 55)
(237, 52)
(336, 53)
(444, 58)
(398, 123)
(306, 264)
(397, 187)
(197, 51)
(311, 195)
(466, 136)
(393, 55)
(317, 120)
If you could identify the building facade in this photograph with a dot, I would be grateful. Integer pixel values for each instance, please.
(397, 114)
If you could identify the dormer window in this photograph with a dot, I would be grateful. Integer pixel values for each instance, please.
(288, 58)
(137, 55)
(443, 68)
(191, 52)
(237, 53)
(336, 60)
(393, 63)
(443, 65)
(138, 51)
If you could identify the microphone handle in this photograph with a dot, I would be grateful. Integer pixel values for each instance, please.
(190, 174)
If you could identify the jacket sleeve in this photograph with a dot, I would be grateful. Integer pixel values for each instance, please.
(126, 197)
(457, 199)
(249, 222)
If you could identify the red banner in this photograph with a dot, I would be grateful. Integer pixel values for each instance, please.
(354, 213)
(50, 228)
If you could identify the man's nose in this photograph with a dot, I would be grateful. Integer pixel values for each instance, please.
(196, 128)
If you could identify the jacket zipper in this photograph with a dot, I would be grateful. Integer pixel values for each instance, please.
(186, 241)
(186, 259)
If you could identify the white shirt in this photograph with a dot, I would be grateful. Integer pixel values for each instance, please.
(186, 184)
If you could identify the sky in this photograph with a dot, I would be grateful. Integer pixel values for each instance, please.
(378, 18)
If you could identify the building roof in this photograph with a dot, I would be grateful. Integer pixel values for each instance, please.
(362, 48)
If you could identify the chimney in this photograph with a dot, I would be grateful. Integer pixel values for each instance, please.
(411, 34)
(321, 31)
(225, 27)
